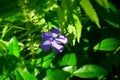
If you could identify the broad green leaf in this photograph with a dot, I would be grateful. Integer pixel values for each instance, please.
(18, 76)
(103, 3)
(78, 26)
(14, 47)
(69, 69)
(68, 59)
(25, 74)
(108, 44)
(45, 61)
(90, 71)
(57, 74)
(90, 11)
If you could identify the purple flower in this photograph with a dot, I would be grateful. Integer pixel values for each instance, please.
(54, 40)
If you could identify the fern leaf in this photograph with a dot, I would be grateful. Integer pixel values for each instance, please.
(78, 27)
(71, 34)
(90, 11)
(103, 3)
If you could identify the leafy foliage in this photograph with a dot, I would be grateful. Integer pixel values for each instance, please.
(90, 71)
(108, 44)
(90, 11)
(91, 26)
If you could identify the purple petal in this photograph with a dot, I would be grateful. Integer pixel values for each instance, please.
(46, 36)
(54, 35)
(57, 48)
(46, 45)
(55, 32)
(62, 39)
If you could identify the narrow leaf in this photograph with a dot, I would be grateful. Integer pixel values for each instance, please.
(90, 11)
(112, 23)
(78, 26)
(108, 44)
(90, 71)
(103, 3)
(72, 34)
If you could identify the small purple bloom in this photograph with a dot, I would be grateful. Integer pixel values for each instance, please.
(54, 40)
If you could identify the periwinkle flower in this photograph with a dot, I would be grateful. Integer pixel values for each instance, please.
(54, 40)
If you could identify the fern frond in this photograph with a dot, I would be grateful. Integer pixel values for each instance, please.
(90, 11)
(104, 4)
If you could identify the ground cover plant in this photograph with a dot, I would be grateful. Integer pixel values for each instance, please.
(59, 40)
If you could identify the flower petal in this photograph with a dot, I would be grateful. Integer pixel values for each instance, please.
(62, 39)
(55, 32)
(46, 36)
(57, 48)
(46, 45)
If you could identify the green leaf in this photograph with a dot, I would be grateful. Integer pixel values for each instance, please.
(14, 47)
(68, 59)
(103, 3)
(113, 7)
(108, 44)
(90, 71)
(78, 26)
(45, 61)
(25, 74)
(57, 74)
(69, 69)
(3, 46)
(112, 23)
(39, 50)
(90, 11)
(72, 34)
(18, 76)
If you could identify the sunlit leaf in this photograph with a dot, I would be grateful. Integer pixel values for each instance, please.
(108, 44)
(69, 69)
(38, 50)
(90, 11)
(90, 71)
(45, 61)
(68, 59)
(25, 74)
(14, 47)
(78, 26)
(18, 76)
(72, 34)
(57, 74)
